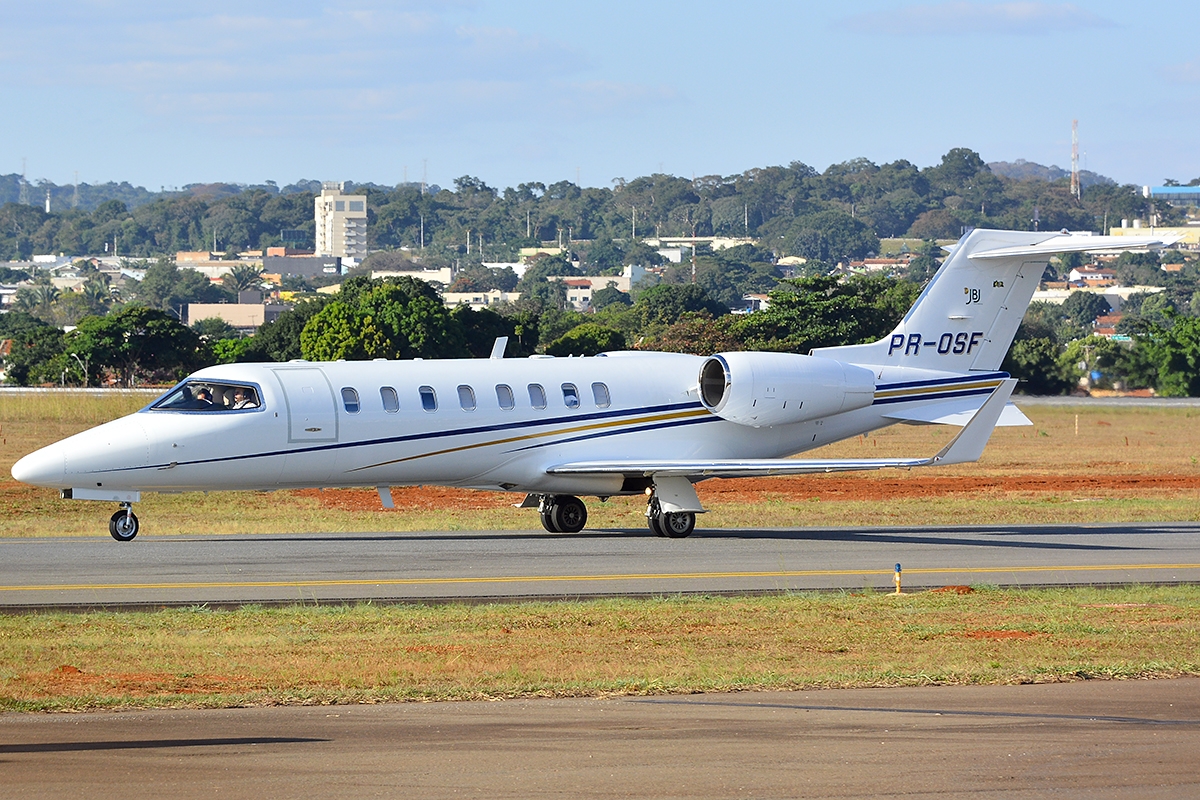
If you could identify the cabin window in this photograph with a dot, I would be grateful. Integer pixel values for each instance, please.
(209, 396)
(600, 395)
(350, 400)
(466, 398)
(504, 396)
(537, 395)
(391, 400)
(428, 398)
(570, 395)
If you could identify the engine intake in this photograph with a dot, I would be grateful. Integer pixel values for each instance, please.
(767, 389)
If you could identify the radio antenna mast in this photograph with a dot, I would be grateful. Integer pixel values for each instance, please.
(1075, 192)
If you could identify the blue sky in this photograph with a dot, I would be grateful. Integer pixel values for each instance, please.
(546, 91)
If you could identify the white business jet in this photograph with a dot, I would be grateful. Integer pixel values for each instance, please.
(620, 423)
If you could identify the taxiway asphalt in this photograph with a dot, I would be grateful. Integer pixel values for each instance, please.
(1129, 739)
(439, 566)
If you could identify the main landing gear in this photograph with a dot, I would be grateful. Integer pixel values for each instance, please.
(124, 524)
(562, 513)
(673, 525)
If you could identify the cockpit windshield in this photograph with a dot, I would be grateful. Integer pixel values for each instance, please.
(209, 396)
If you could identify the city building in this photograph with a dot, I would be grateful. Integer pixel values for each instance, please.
(341, 222)
(479, 300)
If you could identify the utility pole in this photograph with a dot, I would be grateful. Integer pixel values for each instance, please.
(633, 232)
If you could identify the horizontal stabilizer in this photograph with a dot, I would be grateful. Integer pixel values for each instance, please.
(966, 446)
(1078, 244)
(958, 411)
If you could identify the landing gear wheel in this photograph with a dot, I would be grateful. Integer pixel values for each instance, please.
(672, 525)
(568, 514)
(678, 525)
(548, 520)
(123, 525)
(654, 517)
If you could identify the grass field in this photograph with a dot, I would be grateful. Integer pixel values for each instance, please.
(1076, 464)
(1073, 465)
(205, 658)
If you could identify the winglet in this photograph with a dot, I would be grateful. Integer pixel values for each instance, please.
(969, 443)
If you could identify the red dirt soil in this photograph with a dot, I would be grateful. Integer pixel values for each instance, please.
(750, 490)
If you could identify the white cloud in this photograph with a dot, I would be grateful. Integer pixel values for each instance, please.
(289, 65)
(965, 17)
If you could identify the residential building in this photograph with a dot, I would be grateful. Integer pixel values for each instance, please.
(445, 276)
(341, 222)
(479, 300)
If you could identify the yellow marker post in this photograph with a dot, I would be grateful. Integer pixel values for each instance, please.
(897, 578)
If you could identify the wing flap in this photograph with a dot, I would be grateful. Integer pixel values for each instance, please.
(966, 446)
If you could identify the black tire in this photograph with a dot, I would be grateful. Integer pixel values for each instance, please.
(654, 518)
(123, 526)
(677, 525)
(548, 520)
(568, 514)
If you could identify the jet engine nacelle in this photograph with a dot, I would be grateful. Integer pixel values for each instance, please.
(765, 389)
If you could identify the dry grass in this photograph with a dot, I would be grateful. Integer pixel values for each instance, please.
(1140, 443)
(373, 654)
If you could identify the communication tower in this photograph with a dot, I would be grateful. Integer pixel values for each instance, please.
(23, 199)
(1075, 159)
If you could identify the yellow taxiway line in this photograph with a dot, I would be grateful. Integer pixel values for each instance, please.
(65, 587)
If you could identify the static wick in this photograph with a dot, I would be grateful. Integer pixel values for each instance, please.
(897, 578)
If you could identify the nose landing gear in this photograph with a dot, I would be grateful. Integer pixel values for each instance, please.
(124, 524)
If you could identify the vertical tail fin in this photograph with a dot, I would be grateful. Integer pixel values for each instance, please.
(967, 315)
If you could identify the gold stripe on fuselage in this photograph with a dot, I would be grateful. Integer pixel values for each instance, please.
(934, 391)
(526, 437)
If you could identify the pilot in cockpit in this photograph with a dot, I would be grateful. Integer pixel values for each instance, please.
(244, 398)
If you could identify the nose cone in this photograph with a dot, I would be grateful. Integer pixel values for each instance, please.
(45, 467)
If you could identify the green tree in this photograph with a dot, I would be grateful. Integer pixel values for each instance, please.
(608, 296)
(1038, 364)
(393, 318)
(36, 350)
(823, 311)
(1176, 351)
(587, 339)
(233, 350)
(280, 340)
(214, 329)
(242, 277)
(137, 345)
(697, 333)
(1082, 308)
(664, 304)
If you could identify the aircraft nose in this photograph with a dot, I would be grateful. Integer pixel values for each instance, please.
(45, 467)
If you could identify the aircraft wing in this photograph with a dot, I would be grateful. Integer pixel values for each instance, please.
(966, 446)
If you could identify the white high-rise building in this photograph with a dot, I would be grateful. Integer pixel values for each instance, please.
(341, 222)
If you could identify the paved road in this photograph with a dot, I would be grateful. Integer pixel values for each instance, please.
(1135, 739)
(334, 567)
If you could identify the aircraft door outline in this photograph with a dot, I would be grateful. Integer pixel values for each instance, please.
(311, 406)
